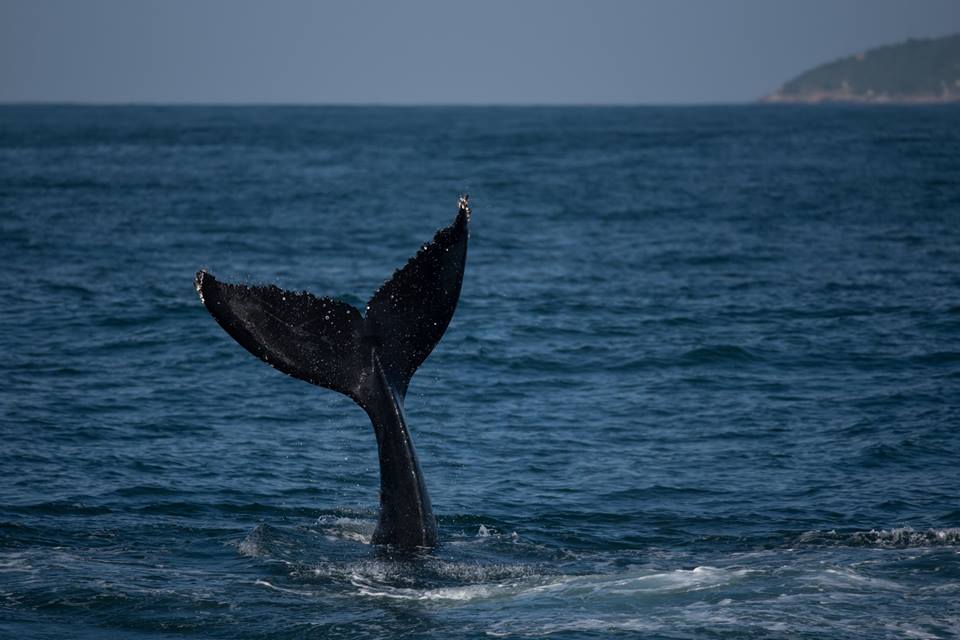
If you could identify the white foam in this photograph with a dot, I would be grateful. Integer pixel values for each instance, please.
(584, 624)
(264, 583)
(345, 528)
(584, 588)
(895, 537)
(908, 536)
(249, 548)
(849, 577)
(637, 583)
(15, 562)
(449, 594)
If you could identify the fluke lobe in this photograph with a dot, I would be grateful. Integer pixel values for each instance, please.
(369, 357)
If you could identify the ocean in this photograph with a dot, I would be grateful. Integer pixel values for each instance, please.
(703, 380)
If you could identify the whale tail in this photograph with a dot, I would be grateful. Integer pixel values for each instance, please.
(329, 343)
(369, 357)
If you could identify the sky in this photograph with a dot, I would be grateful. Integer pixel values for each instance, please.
(436, 51)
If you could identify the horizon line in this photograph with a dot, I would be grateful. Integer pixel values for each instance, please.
(360, 104)
(758, 102)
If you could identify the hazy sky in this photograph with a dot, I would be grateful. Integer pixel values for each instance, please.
(436, 51)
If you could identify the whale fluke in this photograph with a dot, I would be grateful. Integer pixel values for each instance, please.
(310, 338)
(369, 357)
(410, 311)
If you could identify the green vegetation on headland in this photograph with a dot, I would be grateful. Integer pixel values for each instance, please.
(915, 71)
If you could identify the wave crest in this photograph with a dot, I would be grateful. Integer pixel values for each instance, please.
(898, 537)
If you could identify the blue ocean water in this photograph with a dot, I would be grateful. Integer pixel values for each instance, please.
(703, 381)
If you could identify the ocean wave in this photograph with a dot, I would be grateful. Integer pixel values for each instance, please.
(899, 537)
(719, 354)
(662, 491)
(59, 508)
(908, 451)
(938, 358)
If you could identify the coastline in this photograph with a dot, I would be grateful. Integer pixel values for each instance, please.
(834, 97)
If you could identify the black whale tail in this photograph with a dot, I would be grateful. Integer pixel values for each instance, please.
(369, 357)
(329, 343)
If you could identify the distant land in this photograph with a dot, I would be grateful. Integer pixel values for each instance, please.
(915, 71)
